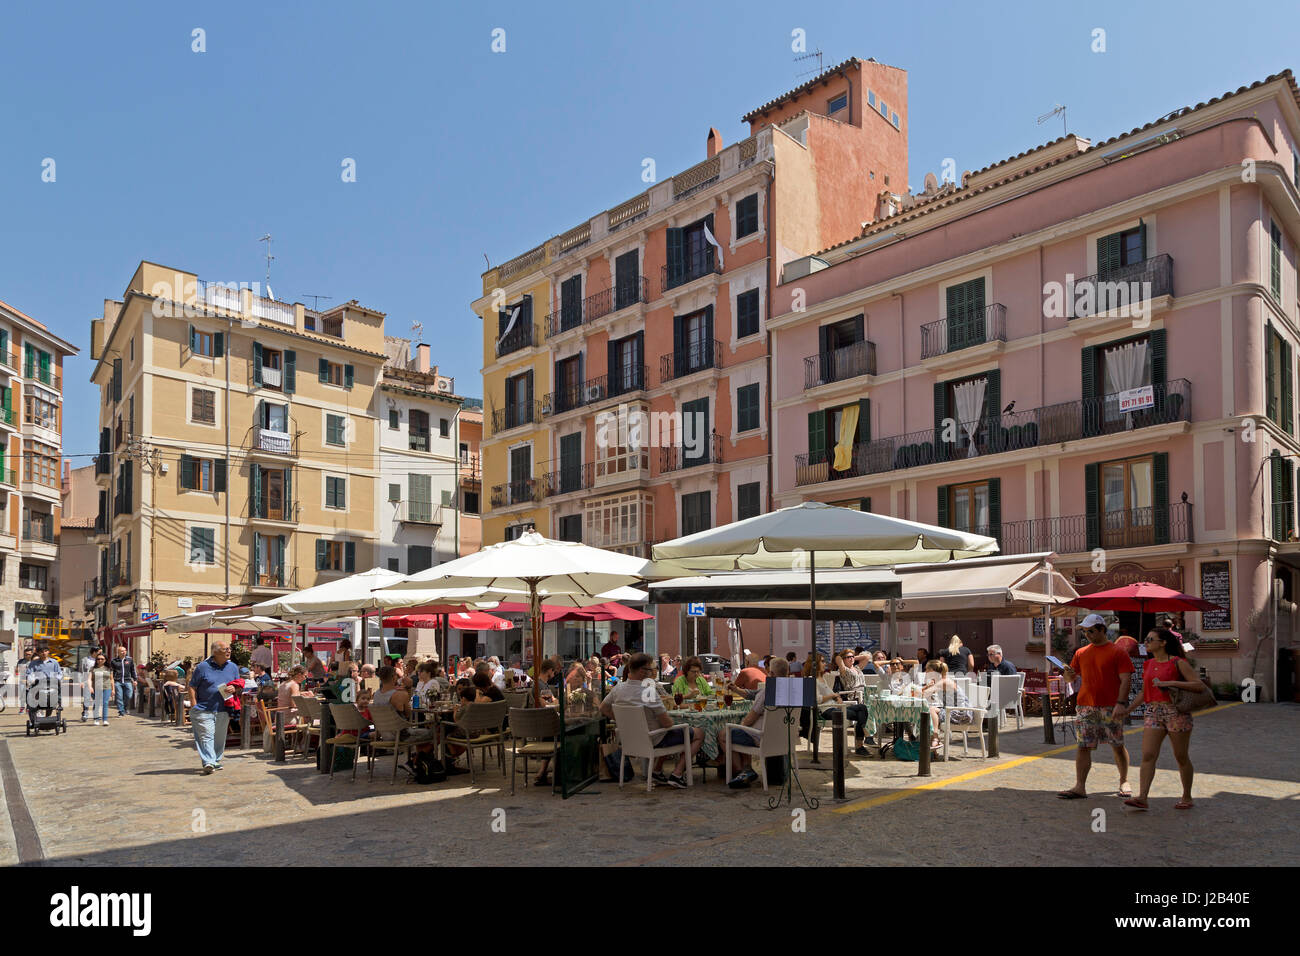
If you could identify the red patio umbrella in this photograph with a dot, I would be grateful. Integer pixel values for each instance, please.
(1142, 597)
(461, 620)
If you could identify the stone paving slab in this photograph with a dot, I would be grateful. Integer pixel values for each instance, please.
(131, 794)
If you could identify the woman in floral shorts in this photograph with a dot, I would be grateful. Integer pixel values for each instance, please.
(1165, 668)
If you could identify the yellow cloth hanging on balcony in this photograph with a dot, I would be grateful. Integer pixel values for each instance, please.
(848, 428)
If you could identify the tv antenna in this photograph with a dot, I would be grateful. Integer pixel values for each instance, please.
(808, 56)
(315, 300)
(269, 257)
(417, 329)
(1058, 108)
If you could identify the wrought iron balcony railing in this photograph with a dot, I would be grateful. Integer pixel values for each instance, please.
(678, 458)
(514, 415)
(1120, 288)
(276, 577)
(520, 337)
(695, 357)
(1050, 425)
(843, 363)
(517, 492)
(689, 268)
(597, 306)
(568, 479)
(961, 331)
(276, 442)
(1072, 534)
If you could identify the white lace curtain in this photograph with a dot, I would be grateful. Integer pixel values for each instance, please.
(1126, 366)
(970, 402)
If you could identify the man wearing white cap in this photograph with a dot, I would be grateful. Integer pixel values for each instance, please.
(1105, 671)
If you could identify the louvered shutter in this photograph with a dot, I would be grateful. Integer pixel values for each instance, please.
(675, 253)
(1092, 410)
(1160, 496)
(257, 363)
(323, 370)
(816, 437)
(1270, 381)
(219, 345)
(290, 372)
(679, 346)
(219, 475)
(1092, 505)
(995, 509)
(864, 420)
(188, 469)
(322, 547)
(1109, 254)
(349, 556)
(348, 376)
(1288, 407)
(1159, 371)
(941, 506)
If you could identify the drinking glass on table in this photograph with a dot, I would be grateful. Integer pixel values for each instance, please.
(678, 699)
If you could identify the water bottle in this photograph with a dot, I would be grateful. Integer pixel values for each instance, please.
(415, 701)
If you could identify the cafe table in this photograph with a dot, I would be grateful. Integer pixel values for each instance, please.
(711, 720)
(889, 710)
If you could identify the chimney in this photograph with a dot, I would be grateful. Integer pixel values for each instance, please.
(422, 357)
(715, 143)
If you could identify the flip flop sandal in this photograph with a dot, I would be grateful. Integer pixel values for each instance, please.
(1135, 804)
(1072, 795)
(1121, 793)
(1184, 805)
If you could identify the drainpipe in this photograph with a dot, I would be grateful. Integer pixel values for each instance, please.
(767, 334)
(225, 358)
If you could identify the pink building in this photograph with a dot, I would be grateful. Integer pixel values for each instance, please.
(1087, 349)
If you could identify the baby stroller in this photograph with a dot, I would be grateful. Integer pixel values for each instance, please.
(43, 695)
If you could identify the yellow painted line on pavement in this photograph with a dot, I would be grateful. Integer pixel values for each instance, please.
(885, 798)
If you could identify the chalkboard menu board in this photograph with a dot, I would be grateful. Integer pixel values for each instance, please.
(1216, 586)
(848, 634)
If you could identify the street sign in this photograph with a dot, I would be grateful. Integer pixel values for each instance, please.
(695, 610)
(147, 618)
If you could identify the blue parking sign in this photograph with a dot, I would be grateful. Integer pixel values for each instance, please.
(695, 610)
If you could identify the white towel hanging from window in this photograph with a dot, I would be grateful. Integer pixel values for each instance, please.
(970, 402)
(708, 237)
(514, 314)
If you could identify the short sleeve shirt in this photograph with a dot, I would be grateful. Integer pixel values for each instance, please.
(205, 680)
(1155, 670)
(750, 677)
(629, 692)
(1099, 666)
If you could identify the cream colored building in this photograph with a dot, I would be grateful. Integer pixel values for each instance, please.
(237, 455)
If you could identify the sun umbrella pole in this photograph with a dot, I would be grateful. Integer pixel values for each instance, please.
(812, 603)
(535, 612)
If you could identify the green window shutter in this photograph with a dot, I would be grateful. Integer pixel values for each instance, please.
(255, 476)
(194, 339)
(322, 547)
(349, 556)
(942, 507)
(1142, 239)
(188, 469)
(290, 372)
(676, 256)
(941, 451)
(1091, 405)
(1283, 506)
(117, 379)
(219, 475)
(1269, 380)
(995, 509)
(219, 345)
(864, 505)
(288, 493)
(1160, 496)
(993, 394)
(1275, 261)
(347, 376)
(1092, 504)
(257, 363)
(816, 437)
(257, 554)
(280, 550)
(323, 370)
(1109, 253)
(1288, 406)
(864, 420)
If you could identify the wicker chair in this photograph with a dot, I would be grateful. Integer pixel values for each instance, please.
(394, 732)
(309, 714)
(266, 716)
(349, 726)
(480, 728)
(533, 733)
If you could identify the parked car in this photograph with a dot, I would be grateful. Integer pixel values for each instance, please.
(716, 664)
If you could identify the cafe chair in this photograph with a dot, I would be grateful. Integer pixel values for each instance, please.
(519, 698)
(976, 726)
(394, 732)
(638, 740)
(480, 728)
(309, 716)
(1006, 693)
(777, 739)
(349, 726)
(818, 722)
(534, 732)
(266, 717)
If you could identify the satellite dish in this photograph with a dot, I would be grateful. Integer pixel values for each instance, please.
(269, 293)
(931, 183)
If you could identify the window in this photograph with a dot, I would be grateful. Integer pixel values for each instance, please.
(747, 314)
(335, 555)
(516, 531)
(33, 576)
(969, 404)
(871, 98)
(627, 364)
(419, 430)
(1283, 486)
(747, 412)
(519, 401)
(38, 526)
(619, 521)
(40, 408)
(41, 464)
(394, 564)
(332, 373)
(747, 216)
(693, 342)
(893, 118)
(697, 433)
(570, 528)
(203, 406)
(624, 449)
(37, 366)
(1127, 503)
(747, 504)
(696, 513)
(419, 557)
(203, 547)
(444, 428)
(1275, 260)
(837, 103)
(201, 343)
(968, 508)
(272, 368)
(1121, 249)
(571, 303)
(965, 316)
(419, 505)
(335, 429)
(884, 110)
(627, 279)
(471, 503)
(203, 474)
(394, 419)
(336, 493)
(331, 325)
(464, 453)
(1277, 381)
(394, 492)
(689, 253)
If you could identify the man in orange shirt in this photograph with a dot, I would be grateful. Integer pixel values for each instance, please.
(752, 675)
(1106, 671)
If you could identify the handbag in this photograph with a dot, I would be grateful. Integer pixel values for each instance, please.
(1190, 701)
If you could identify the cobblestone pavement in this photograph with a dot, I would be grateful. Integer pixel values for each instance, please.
(130, 794)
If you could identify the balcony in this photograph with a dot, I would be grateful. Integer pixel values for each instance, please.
(520, 337)
(1118, 289)
(122, 505)
(274, 442)
(678, 458)
(1050, 425)
(847, 362)
(42, 374)
(692, 267)
(7, 417)
(8, 475)
(521, 491)
(595, 390)
(694, 358)
(265, 509)
(597, 306)
(9, 359)
(272, 377)
(512, 416)
(103, 464)
(38, 531)
(119, 576)
(1075, 534)
(418, 441)
(420, 512)
(471, 467)
(274, 579)
(93, 589)
(568, 480)
(963, 331)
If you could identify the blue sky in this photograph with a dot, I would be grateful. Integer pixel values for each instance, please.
(187, 158)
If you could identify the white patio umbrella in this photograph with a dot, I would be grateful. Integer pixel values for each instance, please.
(548, 571)
(208, 620)
(815, 535)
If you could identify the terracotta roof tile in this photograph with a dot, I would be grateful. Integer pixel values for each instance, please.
(839, 67)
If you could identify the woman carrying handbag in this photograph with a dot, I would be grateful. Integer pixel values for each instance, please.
(1171, 691)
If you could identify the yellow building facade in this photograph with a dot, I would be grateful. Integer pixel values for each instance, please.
(238, 454)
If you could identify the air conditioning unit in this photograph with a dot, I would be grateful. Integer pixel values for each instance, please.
(546, 406)
(594, 392)
(444, 386)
